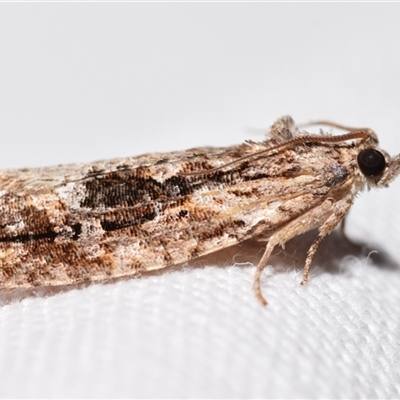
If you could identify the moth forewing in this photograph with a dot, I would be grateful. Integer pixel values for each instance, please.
(89, 222)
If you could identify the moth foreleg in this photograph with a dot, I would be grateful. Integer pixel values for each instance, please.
(340, 210)
(326, 216)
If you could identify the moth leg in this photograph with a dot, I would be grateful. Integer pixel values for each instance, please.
(326, 215)
(309, 220)
(340, 210)
(260, 268)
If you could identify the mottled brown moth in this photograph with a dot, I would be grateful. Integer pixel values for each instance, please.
(89, 222)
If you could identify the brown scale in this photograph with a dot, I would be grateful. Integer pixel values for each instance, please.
(69, 224)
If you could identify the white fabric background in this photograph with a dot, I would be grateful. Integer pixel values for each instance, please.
(80, 82)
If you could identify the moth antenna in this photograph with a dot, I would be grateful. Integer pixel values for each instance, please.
(356, 134)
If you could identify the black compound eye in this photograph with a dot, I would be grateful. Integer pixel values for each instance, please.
(371, 162)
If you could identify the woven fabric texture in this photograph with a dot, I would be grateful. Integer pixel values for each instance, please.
(87, 81)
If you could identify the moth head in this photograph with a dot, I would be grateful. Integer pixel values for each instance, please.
(377, 166)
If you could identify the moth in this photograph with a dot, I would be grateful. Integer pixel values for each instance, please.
(89, 222)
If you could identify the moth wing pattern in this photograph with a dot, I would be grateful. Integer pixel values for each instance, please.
(87, 222)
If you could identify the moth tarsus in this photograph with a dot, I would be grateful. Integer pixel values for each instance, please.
(89, 222)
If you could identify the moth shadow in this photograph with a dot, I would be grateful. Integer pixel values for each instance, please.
(328, 258)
